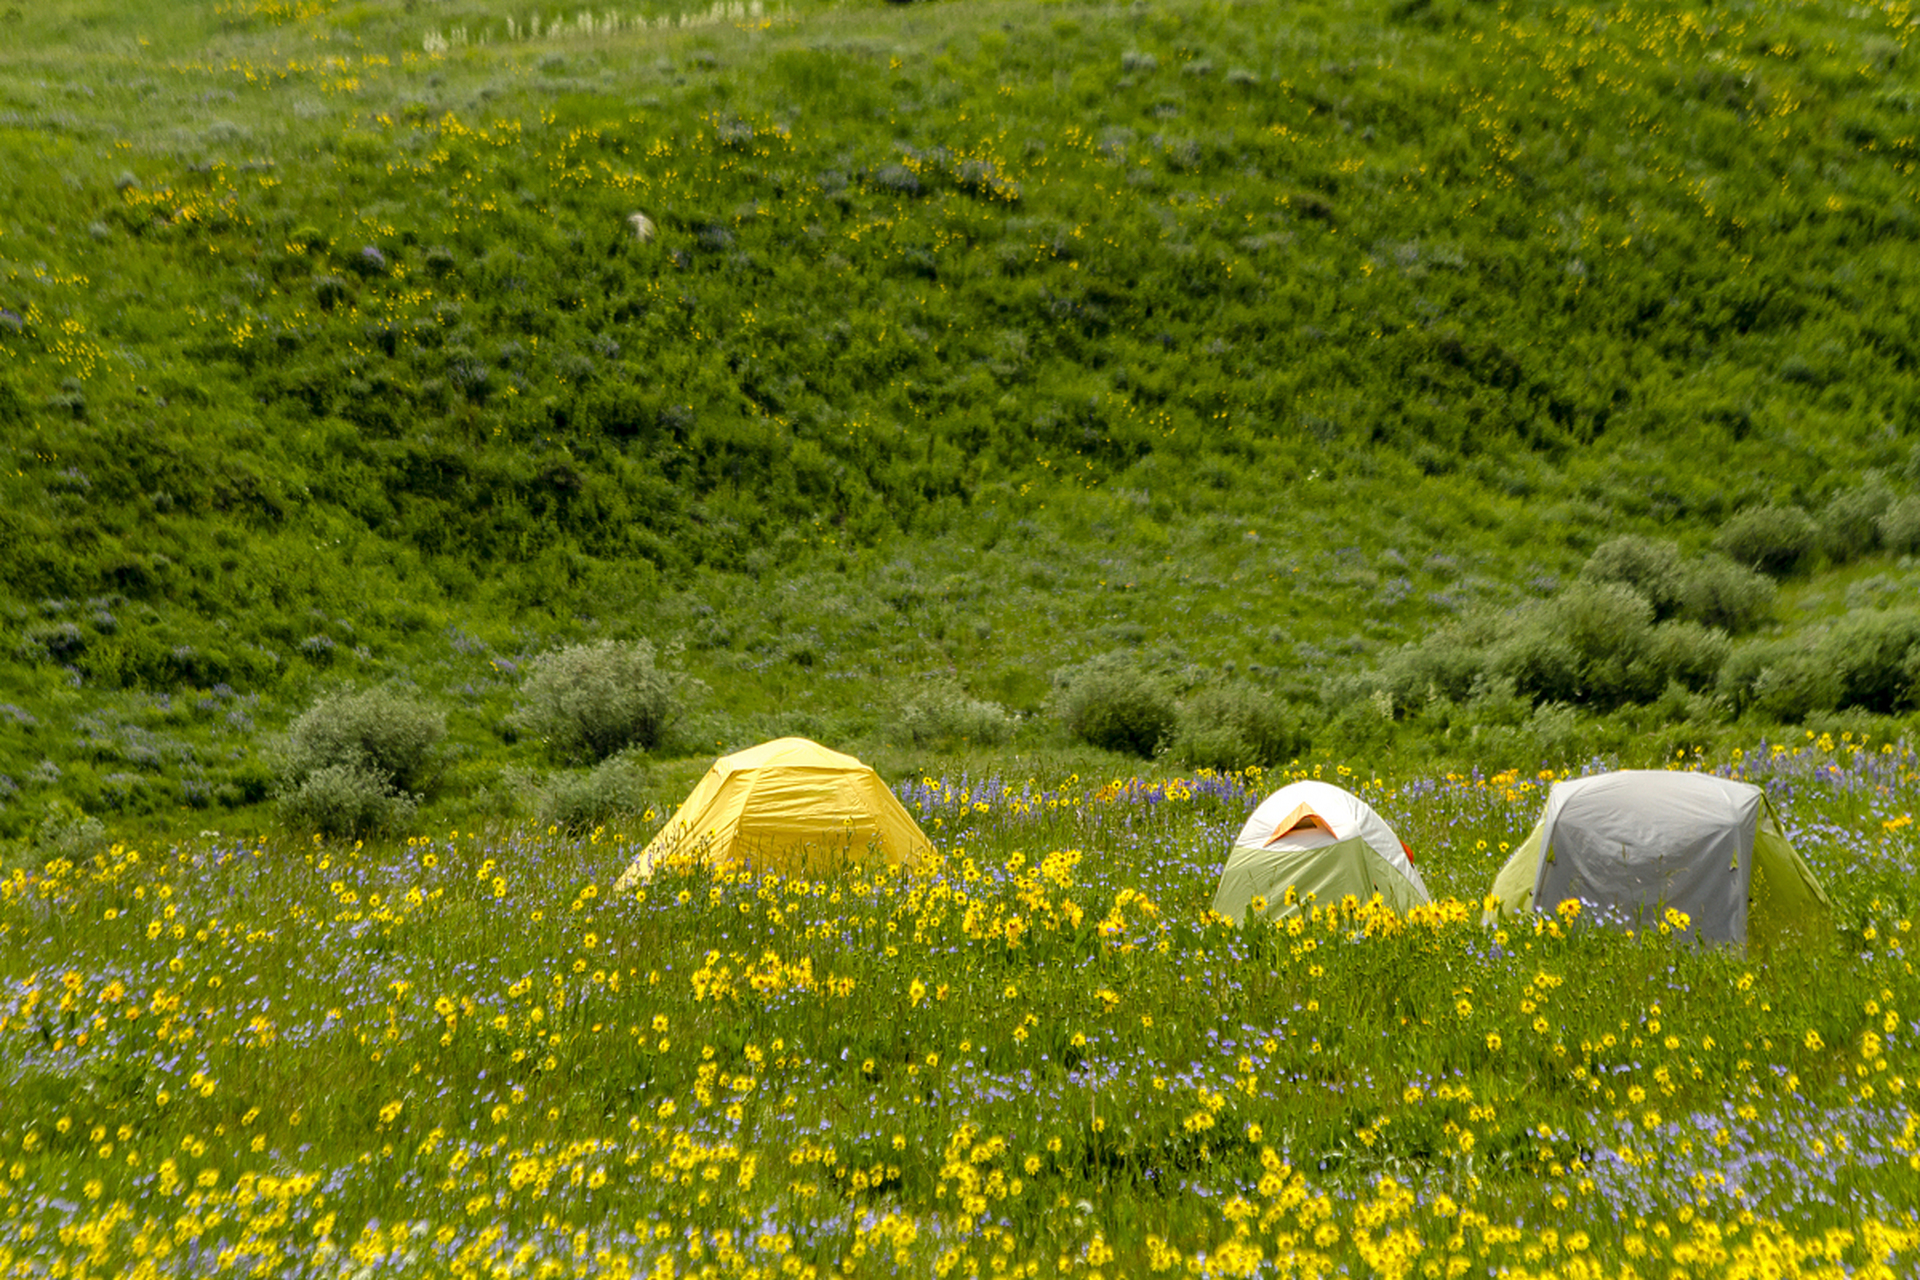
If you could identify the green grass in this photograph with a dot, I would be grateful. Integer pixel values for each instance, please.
(975, 341)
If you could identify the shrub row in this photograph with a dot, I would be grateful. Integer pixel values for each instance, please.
(1870, 659)
(1119, 703)
(1780, 539)
(360, 761)
(1641, 618)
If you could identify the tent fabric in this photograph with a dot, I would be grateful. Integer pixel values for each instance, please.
(1319, 840)
(1302, 815)
(1639, 842)
(1786, 896)
(790, 806)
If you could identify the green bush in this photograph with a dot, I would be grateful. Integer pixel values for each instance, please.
(1870, 661)
(390, 735)
(1444, 665)
(1556, 734)
(1539, 662)
(1849, 525)
(346, 800)
(1774, 540)
(14, 410)
(1609, 626)
(1231, 726)
(1687, 654)
(588, 701)
(1716, 592)
(1899, 526)
(1743, 667)
(1652, 568)
(1361, 730)
(1679, 705)
(943, 712)
(64, 831)
(580, 800)
(1495, 701)
(1873, 656)
(1796, 685)
(1114, 703)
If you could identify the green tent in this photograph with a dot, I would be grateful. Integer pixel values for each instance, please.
(1633, 844)
(1322, 842)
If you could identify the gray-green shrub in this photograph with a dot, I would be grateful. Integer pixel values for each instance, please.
(1796, 685)
(944, 712)
(1444, 665)
(1555, 733)
(1609, 626)
(1495, 701)
(1873, 656)
(588, 701)
(1539, 661)
(346, 800)
(1651, 567)
(581, 799)
(1231, 726)
(1899, 526)
(392, 735)
(1716, 592)
(1687, 654)
(1114, 703)
(1742, 669)
(1775, 540)
(1849, 525)
(64, 831)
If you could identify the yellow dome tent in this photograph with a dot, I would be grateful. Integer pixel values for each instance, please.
(788, 806)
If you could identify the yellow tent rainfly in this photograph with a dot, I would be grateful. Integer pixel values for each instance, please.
(788, 806)
(1324, 843)
(1640, 843)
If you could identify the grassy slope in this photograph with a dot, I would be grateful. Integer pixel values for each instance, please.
(975, 340)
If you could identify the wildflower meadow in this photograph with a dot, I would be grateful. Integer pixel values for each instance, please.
(461, 1054)
(1078, 409)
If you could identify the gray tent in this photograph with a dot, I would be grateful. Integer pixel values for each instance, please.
(1638, 842)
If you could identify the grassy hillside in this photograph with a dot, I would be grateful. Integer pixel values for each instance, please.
(971, 341)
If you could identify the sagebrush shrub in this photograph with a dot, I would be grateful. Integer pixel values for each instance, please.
(1716, 592)
(64, 831)
(1602, 618)
(1113, 703)
(1774, 540)
(1899, 526)
(1849, 525)
(588, 701)
(1741, 670)
(1495, 701)
(1872, 656)
(389, 734)
(1609, 628)
(582, 799)
(346, 801)
(944, 712)
(1687, 654)
(1444, 665)
(1796, 685)
(1231, 726)
(1652, 568)
(1555, 733)
(1539, 661)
